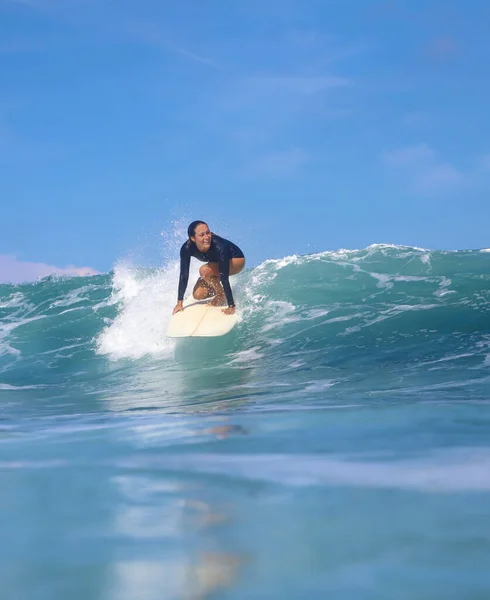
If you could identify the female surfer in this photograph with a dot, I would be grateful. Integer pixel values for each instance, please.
(222, 257)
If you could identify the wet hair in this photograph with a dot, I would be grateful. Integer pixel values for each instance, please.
(191, 230)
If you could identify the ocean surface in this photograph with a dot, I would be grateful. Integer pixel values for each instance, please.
(336, 444)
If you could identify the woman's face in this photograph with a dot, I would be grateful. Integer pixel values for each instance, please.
(202, 237)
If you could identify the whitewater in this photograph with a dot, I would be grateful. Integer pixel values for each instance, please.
(334, 445)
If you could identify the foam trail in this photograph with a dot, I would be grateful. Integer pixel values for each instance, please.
(145, 304)
(464, 470)
(145, 300)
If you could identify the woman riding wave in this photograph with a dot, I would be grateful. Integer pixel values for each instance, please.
(222, 257)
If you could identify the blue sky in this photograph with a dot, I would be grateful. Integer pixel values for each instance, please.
(291, 126)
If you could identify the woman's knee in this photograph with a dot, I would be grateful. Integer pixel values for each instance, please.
(206, 271)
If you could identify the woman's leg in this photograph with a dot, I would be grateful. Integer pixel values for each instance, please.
(203, 289)
(209, 283)
(236, 265)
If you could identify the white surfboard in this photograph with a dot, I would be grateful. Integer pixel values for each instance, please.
(199, 319)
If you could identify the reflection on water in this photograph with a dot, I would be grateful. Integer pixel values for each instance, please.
(202, 385)
(213, 572)
(174, 548)
(171, 531)
(224, 431)
(171, 579)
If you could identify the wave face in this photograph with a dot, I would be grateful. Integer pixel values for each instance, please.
(384, 322)
(353, 380)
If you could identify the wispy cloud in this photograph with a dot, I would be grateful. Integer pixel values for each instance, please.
(258, 112)
(31, 3)
(13, 270)
(15, 147)
(485, 161)
(439, 177)
(424, 169)
(20, 46)
(153, 35)
(416, 118)
(268, 99)
(409, 156)
(296, 84)
(442, 48)
(46, 4)
(143, 32)
(279, 164)
(322, 49)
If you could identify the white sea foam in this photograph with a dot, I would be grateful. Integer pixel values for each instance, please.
(320, 386)
(73, 296)
(246, 356)
(390, 313)
(443, 288)
(316, 313)
(6, 330)
(279, 314)
(145, 302)
(296, 364)
(61, 348)
(384, 281)
(10, 388)
(287, 260)
(15, 300)
(344, 318)
(462, 470)
(349, 256)
(446, 359)
(396, 247)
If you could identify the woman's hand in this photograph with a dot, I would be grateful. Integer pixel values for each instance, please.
(229, 311)
(178, 307)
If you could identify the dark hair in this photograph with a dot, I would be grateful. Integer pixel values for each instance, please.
(191, 230)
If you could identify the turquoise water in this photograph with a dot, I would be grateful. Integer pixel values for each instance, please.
(334, 445)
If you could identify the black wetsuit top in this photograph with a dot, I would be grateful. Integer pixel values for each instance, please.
(220, 251)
